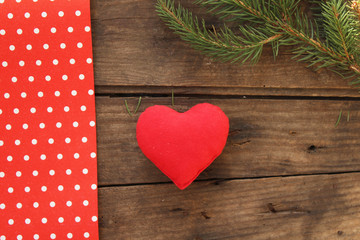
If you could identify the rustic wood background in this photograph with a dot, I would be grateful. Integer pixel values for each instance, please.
(286, 171)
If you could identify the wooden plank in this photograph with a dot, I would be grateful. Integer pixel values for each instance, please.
(133, 48)
(267, 138)
(324, 207)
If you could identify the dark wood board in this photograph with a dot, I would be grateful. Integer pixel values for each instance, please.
(268, 137)
(324, 207)
(134, 48)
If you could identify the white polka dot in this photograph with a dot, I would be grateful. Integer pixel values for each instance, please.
(27, 15)
(76, 155)
(58, 124)
(44, 188)
(12, 47)
(14, 79)
(35, 173)
(27, 221)
(2, 32)
(68, 203)
(93, 155)
(25, 126)
(11, 221)
(38, 62)
(18, 174)
(77, 187)
(77, 219)
(49, 109)
(40, 94)
(44, 220)
(57, 93)
(77, 13)
(72, 61)
(79, 45)
(0, 111)
(1, 143)
(42, 125)
(47, 78)
(36, 30)
(19, 31)
(55, 62)
(86, 235)
(60, 219)
(52, 172)
(74, 92)
(84, 139)
(53, 30)
(34, 141)
(19, 205)
(28, 47)
(35, 204)
(60, 188)
(23, 94)
(4, 64)
(43, 14)
(83, 108)
(59, 156)
(51, 140)
(64, 77)
(9, 158)
(70, 29)
(69, 235)
(87, 29)
(89, 60)
(8, 127)
(26, 157)
(68, 172)
(62, 45)
(18, 1)
(10, 190)
(61, 13)
(2, 174)
(19, 237)
(16, 110)
(27, 189)
(67, 140)
(17, 142)
(94, 218)
(36, 236)
(46, 46)
(6, 95)
(66, 109)
(21, 63)
(2, 206)
(86, 203)
(75, 124)
(33, 110)
(93, 186)
(81, 76)
(91, 92)
(10, 15)
(31, 78)
(52, 204)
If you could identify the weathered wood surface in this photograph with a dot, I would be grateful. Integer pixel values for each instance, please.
(322, 207)
(133, 48)
(281, 130)
(267, 138)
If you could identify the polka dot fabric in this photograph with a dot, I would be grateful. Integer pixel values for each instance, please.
(47, 121)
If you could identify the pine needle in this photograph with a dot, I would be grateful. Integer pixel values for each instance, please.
(339, 118)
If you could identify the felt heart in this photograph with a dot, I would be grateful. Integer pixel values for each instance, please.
(182, 145)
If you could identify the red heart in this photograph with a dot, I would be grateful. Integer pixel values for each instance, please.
(182, 145)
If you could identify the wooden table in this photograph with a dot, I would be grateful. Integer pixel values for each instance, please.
(286, 172)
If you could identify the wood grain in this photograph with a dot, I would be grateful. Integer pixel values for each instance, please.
(267, 138)
(133, 48)
(324, 207)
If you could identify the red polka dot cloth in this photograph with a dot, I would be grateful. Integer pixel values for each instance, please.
(48, 169)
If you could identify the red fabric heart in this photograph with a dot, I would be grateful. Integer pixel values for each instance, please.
(182, 145)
